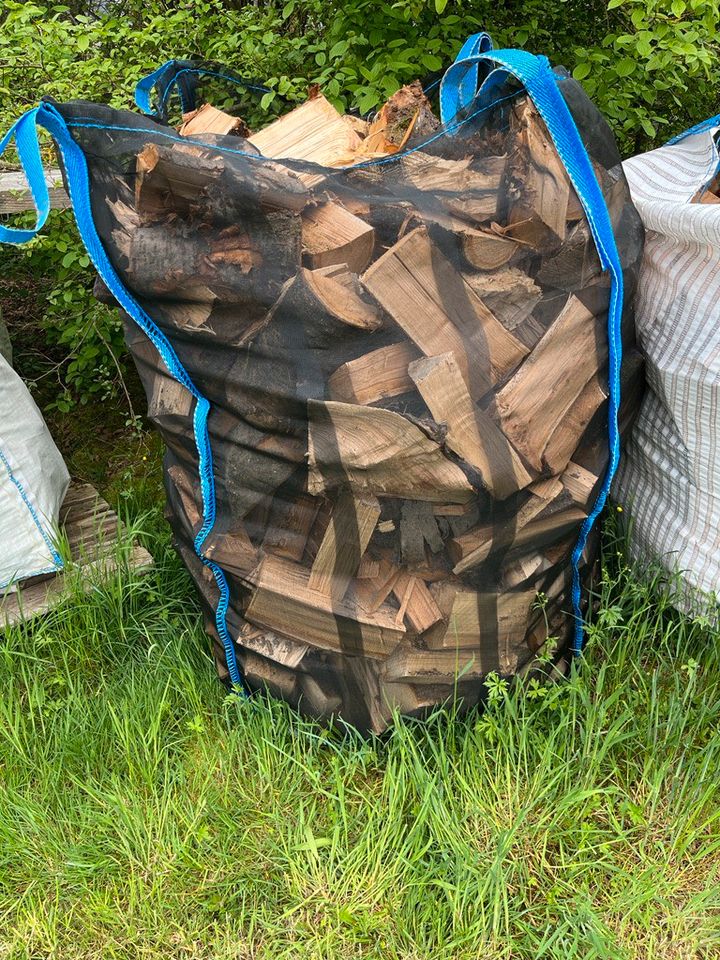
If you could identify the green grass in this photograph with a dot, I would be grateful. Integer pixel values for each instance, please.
(144, 814)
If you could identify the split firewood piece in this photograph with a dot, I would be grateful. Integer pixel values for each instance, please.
(440, 312)
(416, 602)
(318, 697)
(418, 527)
(168, 179)
(371, 593)
(374, 376)
(289, 526)
(232, 550)
(510, 294)
(471, 433)
(208, 119)
(260, 672)
(536, 400)
(524, 568)
(433, 666)
(284, 602)
(570, 431)
(486, 249)
(250, 464)
(380, 452)
(342, 548)
(168, 398)
(332, 235)
(537, 185)
(581, 484)
(407, 113)
(466, 188)
(492, 624)
(288, 653)
(360, 126)
(475, 545)
(576, 265)
(369, 568)
(327, 308)
(188, 498)
(173, 179)
(314, 131)
(188, 316)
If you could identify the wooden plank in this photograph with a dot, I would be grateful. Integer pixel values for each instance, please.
(471, 433)
(374, 376)
(440, 312)
(538, 397)
(379, 452)
(15, 197)
(284, 602)
(90, 528)
(352, 522)
(288, 653)
(432, 666)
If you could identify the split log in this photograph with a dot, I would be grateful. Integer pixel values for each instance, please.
(351, 525)
(580, 484)
(433, 666)
(475, 546)
(486, 250)
(407, 113)
(332, 235)
(471, 433)
(492, 624)
(372, 593)
(328, 310)
(261, 672)
(379, 452)
(418, 527)
(440, 312)
(288, 653)
(537, 186)
(208, 119)
(187, 497)
(232, 550)
(466, 188)
(319, 699)
(510, 295)
(284, 602)
(374, 376)
(536, 400)
(314, 131)
(416, 603)
(571, 430)
(168, 398)
(289, 526)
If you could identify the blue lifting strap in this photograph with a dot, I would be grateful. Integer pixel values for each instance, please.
(537, 77)
(78, 183)
(183, 76)
(462, 90)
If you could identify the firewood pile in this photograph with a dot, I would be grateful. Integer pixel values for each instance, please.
(402, 335)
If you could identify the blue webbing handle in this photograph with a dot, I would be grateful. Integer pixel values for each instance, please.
(461, 92)
(541, 84)
(183, 76)
(24, 132)
(78, 183)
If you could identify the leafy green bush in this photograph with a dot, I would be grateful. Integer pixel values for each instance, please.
(648, 64)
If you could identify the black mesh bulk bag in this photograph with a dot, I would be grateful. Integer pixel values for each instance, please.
(385, 359)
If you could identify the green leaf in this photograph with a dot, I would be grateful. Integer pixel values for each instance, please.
(440, 5)
(82, 43)
(581, 71)
(267, 99)
(648, 127)
(288, 9)
(338, 49)
(678, 7)
(624, 67)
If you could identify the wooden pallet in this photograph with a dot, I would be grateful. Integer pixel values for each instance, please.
(91, 528)
(15, 196)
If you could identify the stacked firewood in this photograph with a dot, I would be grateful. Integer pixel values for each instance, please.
(402, 336)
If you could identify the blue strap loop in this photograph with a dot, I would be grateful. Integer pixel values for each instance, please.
(24, 132)
(461, 92)
(183, 76)
(78, 183)
(537, 77)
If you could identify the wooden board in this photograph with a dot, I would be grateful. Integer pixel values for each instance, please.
(15, 196)
(91, 528)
